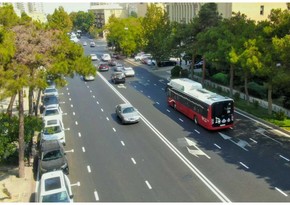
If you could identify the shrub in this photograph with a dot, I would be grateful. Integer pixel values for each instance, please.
(256, 103)
(220, 78)
(184, 73)
(257, 90)
(175, 71)
(280, 115)
(237, 96)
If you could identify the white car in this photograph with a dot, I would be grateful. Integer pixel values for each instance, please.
(85, 43)
(89, 77)
(50, 91)
(52, 112)
(128, 71)
(53, 130)
(140, 57)
(106, 57)
(94, 57)
(54, 186)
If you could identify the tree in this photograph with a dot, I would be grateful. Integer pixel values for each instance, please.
(82, 20)
(60, 20)
(251, 62)
(157, 33)
(8, 17)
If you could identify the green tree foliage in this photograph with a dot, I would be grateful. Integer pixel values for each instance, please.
(157, 33)
(8, 17)
(60, 20)
(82, 20)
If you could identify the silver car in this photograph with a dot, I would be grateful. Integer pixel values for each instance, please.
(127, 113)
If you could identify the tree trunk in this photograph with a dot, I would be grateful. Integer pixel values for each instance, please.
(37, 102)
(21, 135)
(246, 88)
(270, 103)
(203, 71)
(231, 80)
(10, 106)
(31, 101)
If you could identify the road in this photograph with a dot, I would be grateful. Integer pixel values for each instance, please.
(165, 157)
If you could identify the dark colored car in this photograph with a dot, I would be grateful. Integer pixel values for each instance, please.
(52, 157)
(103, 67)
(166, 63)
(118, 77)
(48, 100)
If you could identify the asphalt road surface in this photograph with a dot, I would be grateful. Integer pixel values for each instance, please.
(165, 157)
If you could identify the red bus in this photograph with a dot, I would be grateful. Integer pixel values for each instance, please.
(208, 109)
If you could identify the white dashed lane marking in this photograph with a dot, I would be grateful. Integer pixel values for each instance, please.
(89, 169)
(148, 184)
(133, 160)
(84, 150)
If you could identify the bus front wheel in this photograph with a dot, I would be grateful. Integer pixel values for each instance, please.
(195, 120)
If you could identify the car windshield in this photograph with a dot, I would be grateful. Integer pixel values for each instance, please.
(57, 197)
(52, 155)
(52, 130)
(50, 90)
(51, 112)
(128, 110)
(48, 100)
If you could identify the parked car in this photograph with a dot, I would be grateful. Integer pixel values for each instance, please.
(118, 77)
(127, 113)
(48, 100)
(103, 67)
(52, 111)
(50, 91)
(140, 57)
(53, 130)
(106, 57)
(94, 57)
(89, 77)
(54, 187)
(151, 62)
(165, 63)
(85, 43)
(198, 65)
(52, 157)
(92, 44)
(128, 71)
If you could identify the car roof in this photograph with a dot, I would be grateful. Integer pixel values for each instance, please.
(128, 68)
(125, 105)
(52, 182)
(50, 145)
(52, 122)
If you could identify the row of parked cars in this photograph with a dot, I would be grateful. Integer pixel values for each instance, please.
(53, 166)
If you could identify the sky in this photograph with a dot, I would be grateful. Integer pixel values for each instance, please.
(68, 7)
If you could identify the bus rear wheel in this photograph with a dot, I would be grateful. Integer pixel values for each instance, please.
(195, 120)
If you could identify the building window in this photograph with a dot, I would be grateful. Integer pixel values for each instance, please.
(262, 10)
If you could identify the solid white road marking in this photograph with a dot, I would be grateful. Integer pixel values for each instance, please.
(133, 160)
(123, 143)
(197, 131)
(279, 190)
(114, 129)
(217, 146)
(262, 130)
(284, 158)
(76, 122)
(253, 140)
(148, 185)
(83, 149)
(96, 196)
(79, 134)
(89, 169)
(241, 163)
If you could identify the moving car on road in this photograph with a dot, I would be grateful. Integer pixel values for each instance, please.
(106, 57)
(128, 71)
(92, 44)
(94, 57)
(103, 67)
(127, 113)
(118, 77)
